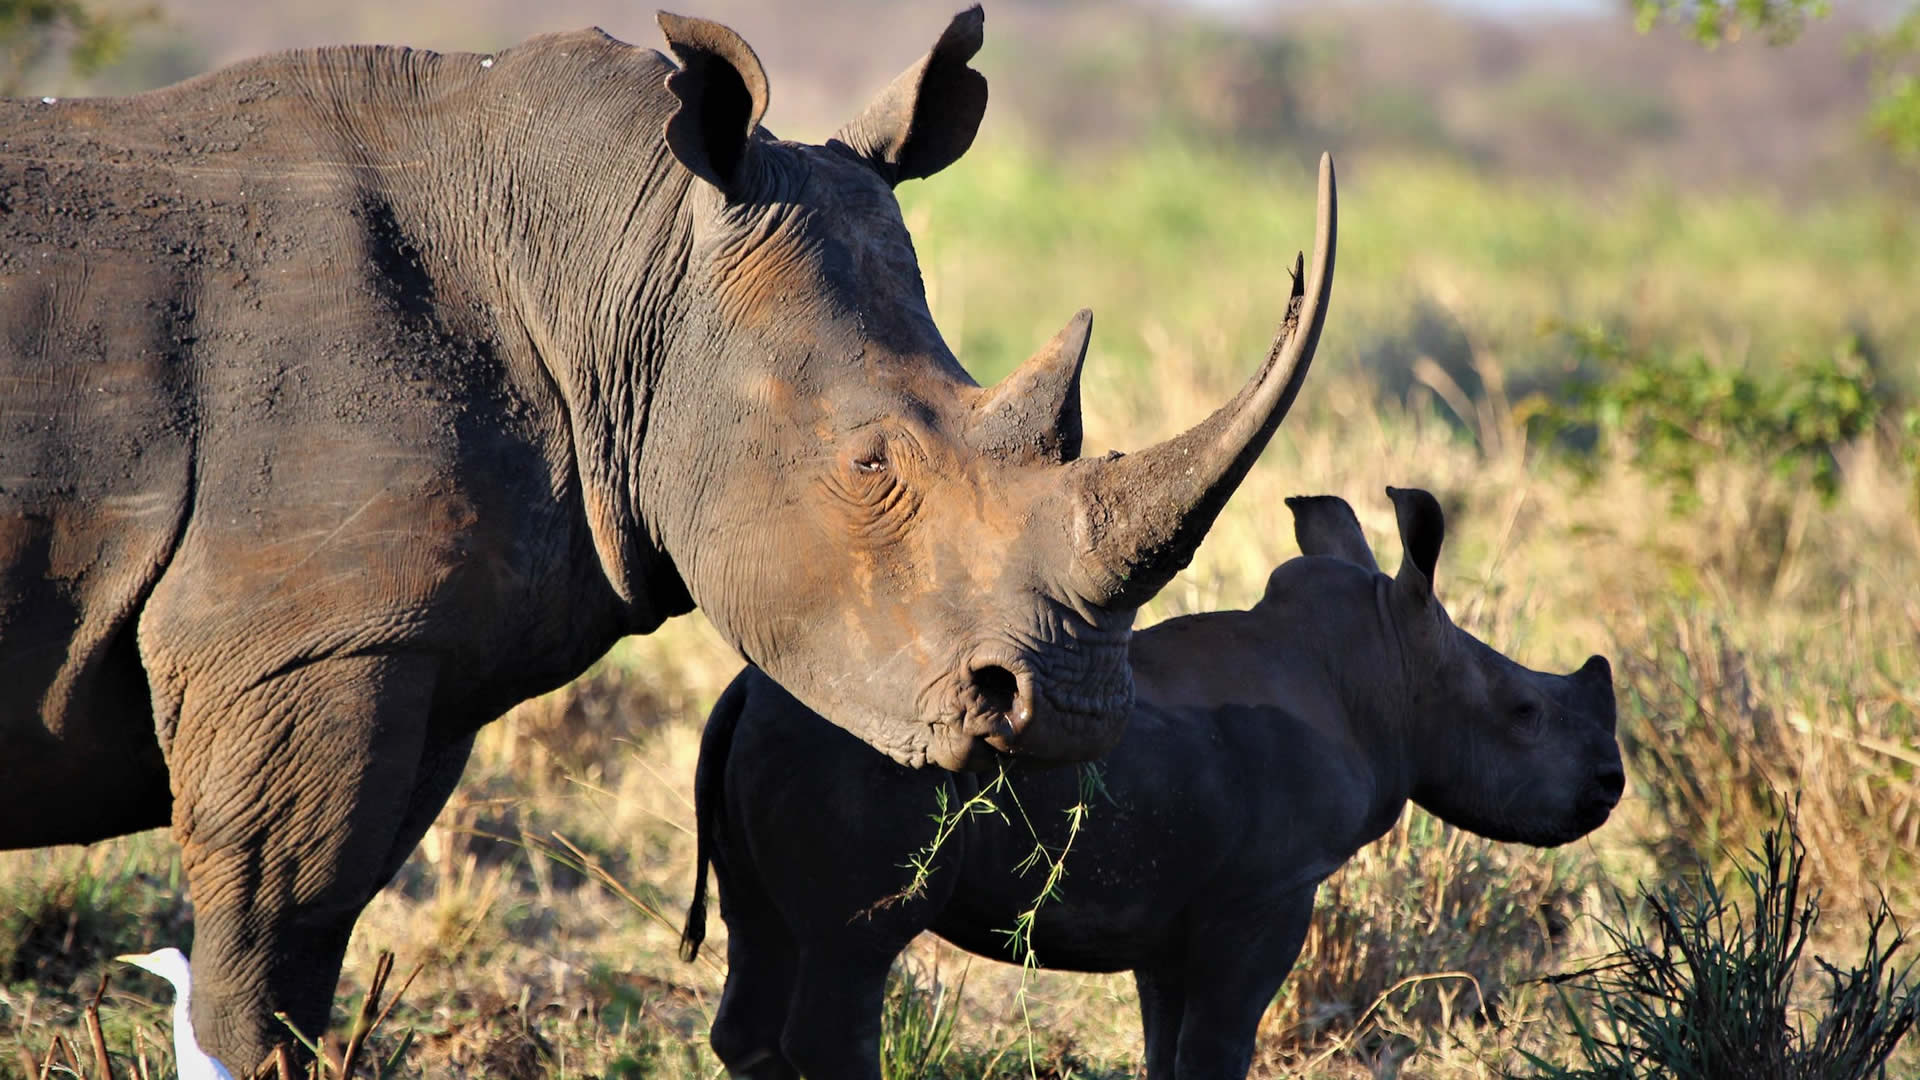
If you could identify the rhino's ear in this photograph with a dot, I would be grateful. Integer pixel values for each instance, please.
(723, 94)
(1326, 525)
(1422, 528)
(925, 119)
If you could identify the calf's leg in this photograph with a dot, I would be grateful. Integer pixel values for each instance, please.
(291, 796)
(1233, 969)
(762, 966)
(1163, 1003)
(833, 1016)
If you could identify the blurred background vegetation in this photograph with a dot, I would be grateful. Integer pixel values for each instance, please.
(1634, 288)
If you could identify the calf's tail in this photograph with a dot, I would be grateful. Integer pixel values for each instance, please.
(716, 743)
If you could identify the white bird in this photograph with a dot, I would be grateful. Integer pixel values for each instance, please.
(189, 1061)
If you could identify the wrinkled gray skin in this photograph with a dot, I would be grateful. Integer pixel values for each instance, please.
(1266, 747)
(350, 396)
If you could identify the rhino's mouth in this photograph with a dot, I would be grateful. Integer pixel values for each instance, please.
(1587, 812)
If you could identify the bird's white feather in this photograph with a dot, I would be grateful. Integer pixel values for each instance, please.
(191, 1062)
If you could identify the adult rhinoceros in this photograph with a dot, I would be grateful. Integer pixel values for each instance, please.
(350, 396)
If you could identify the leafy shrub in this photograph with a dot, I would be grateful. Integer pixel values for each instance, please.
(1894, 49)
(1672, 413)
(1895, 115)
(1709, 994)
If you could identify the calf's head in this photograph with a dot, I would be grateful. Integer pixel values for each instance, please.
(1493, 747)
(926, 562)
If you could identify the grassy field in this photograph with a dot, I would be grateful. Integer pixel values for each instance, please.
(1763, 633)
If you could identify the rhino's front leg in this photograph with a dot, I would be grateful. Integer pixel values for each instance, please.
(833, 1018)
(290, 799)
(1234, 967)
(1163, 1004)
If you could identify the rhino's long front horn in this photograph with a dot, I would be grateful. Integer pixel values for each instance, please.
(1144, 514)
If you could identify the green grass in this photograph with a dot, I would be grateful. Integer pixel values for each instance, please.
(1191, 245)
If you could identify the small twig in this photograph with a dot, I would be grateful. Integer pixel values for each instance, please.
(313, 1046)
(921, 862)
(369, 1008)
(283, 1061)
(1347, 1040)
(398, 994)
(46, 1063)
(666, 783)
(73, 1059)
(94, 1033)
(145, 1071)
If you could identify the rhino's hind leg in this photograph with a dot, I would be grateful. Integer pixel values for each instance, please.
(291, 798)
(762, 965)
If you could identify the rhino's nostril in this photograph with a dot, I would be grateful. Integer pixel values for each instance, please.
(997, 687)
(1611, 781)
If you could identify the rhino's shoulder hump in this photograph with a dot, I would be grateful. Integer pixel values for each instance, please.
(584, 48)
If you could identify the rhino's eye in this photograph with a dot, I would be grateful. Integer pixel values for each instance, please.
(1528, 718)
(867, 451)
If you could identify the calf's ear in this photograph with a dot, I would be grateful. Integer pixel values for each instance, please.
(1326, 525)
(723, 94)
(1422, 528)
(927, 117)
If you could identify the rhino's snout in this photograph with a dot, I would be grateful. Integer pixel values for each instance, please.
(1602, 794)
(1010, 701)
(1611, 781)
(1608, 779)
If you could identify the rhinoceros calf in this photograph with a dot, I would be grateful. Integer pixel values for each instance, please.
(349, 396)
(1265, 748)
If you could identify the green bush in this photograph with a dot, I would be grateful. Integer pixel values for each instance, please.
(1709, 993)
(34, 33)
(1673, 412)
